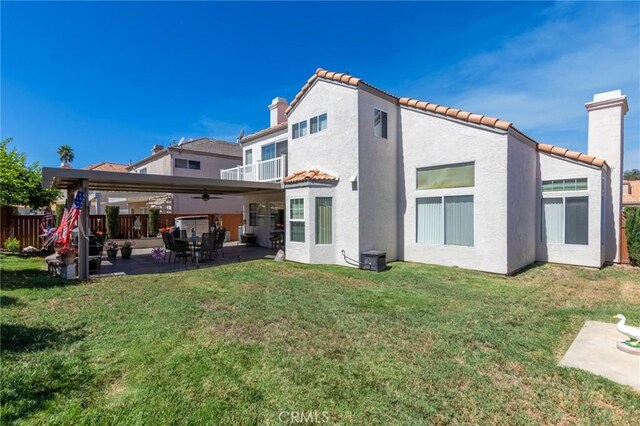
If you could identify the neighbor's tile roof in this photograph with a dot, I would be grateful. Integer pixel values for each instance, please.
(108, 167)
(441, 110)
(308, 175)
(573, 155)
(264, 132)
(211, 146)
(631, 192)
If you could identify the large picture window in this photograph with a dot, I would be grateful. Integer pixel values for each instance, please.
(565, 220)
(445, 220)
(324, 220)
(449, 176)
(296, 219)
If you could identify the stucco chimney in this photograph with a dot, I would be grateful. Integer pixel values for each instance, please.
(606, 141)
(156, 148)
(277, 109)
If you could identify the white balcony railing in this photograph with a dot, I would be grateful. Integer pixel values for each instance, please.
(263, 171)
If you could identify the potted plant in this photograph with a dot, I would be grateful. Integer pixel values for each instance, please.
(112, 250)
(126, 249)
(68, 255)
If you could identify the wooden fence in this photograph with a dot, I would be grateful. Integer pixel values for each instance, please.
(27, 228)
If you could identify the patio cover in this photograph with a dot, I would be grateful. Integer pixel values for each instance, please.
(74, 179)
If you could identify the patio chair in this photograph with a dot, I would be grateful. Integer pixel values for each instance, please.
(207, 245)
(95, 254)
(219, 241)
(178, 248)
(167, 245)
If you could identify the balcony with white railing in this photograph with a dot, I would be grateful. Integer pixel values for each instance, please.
(263, 171)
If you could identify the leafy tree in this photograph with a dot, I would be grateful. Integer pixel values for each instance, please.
(65, 152)
(633, 174)
(21, 185)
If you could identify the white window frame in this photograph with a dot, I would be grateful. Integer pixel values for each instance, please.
(303, 220)
(442, 196)
(317, 119)
(248, 153)
(316, 221)
(558, 195)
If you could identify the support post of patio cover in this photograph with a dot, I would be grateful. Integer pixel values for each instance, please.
(83, 235)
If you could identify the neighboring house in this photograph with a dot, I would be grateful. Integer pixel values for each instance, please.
(631, 193)
(202, 157)
(365, 170)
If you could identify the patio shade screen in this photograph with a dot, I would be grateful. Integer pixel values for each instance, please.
(429, 224)
(324, 207)
(576, 229)
(552, 220)
(451, 176)
(458, 220)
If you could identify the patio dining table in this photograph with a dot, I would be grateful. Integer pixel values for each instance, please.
(193, 245)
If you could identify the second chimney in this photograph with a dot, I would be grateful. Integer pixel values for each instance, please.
(277, 111)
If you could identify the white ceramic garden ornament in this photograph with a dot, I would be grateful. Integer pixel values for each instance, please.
(632, 332)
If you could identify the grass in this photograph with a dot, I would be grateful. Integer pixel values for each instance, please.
(242, 343)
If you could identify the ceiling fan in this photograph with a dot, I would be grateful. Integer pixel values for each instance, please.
(206, 197)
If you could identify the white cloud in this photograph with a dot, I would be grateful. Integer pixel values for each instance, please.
(542, 78)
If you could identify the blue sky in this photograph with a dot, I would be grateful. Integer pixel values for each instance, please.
(112, 79)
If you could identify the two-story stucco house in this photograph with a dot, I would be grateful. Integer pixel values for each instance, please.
(202, 157)
(362, 169)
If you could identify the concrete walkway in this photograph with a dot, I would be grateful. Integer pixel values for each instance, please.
(141, 261)
(595, 350)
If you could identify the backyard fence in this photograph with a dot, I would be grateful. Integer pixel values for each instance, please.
(26, 228)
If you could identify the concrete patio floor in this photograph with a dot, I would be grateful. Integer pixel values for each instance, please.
(595, 350)
(141, 261)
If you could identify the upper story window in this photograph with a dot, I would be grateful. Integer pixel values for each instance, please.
(248, 157)
(379, 124)
(181, 163)
(299, 130)
(318, 123)
(579, 184)
(274, 150)
(143, 171)
(449, 176)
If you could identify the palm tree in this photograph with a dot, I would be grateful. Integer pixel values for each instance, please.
(65, 152)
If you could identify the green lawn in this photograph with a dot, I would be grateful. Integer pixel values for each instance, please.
(243, 342)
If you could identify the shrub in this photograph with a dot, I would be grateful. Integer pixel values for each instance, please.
(59, 213)
(153, 224)
(12, 244)
(112, 213)
(632, 221)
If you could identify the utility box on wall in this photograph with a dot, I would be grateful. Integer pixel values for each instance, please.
(373, 260)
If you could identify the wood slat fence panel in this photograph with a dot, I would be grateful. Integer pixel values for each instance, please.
(26, 228)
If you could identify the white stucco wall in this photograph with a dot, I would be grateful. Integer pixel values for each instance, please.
(257, 144)
(521, 202)
(378, 176)
(334, 151)
(160, 165)
(551, 167)
(428, 140)
(606, 141)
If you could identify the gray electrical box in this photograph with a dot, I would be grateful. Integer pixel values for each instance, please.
(373, 260)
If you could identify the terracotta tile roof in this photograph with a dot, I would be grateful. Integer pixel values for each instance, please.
(456, 113)
(445, 111)
(333, 76)
(264, 132)
(308, 175)
(573, 155)
(108, 167)
(631, 192)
